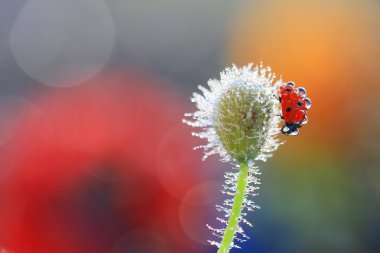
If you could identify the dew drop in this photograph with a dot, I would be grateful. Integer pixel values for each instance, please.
(302, 91)
(291, 83)
(307, 103)
(305, 120)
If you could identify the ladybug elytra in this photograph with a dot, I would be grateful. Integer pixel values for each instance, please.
(294, 106)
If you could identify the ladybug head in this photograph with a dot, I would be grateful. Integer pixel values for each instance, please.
(287, 88)
(290, 129)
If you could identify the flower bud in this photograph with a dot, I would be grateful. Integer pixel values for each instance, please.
(239, 115)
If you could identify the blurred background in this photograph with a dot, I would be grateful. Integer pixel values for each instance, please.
(93, 154)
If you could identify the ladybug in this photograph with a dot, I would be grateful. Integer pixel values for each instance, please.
(294, 106)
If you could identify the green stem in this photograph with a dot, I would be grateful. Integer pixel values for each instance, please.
(233, 221)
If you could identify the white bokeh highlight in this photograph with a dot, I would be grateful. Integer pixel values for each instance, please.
(62, 43)
(195, 210)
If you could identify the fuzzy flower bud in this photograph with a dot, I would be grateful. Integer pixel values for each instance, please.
(239, 115)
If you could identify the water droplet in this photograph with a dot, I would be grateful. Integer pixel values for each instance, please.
(307, 103)
(305, 120)
(302, 91)
(291, 83)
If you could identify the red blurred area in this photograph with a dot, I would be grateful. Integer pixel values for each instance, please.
(99, 168)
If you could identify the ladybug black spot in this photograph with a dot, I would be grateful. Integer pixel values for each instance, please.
(299, 103)
(288, 90)
(288, 109)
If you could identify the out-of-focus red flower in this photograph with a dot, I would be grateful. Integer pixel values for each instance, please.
(103, 167)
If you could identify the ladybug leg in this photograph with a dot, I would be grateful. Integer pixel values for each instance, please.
(285, 129)
(278, 97)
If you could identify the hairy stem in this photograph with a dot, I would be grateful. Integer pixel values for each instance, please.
(233, 221)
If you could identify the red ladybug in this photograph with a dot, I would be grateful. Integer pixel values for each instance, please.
(294, 105)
